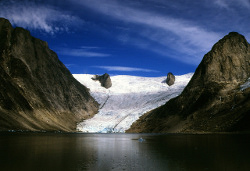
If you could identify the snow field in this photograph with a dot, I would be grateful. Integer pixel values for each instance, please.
(128, 99)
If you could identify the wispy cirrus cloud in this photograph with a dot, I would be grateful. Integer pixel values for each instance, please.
(70, 65)
(244, 3)
(122, 68)
(221, 3)
(184, 36)
(37, 16)
(83, 51)
(232, 3)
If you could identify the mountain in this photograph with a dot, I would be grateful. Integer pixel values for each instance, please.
(217, 98)
(128, 99)
(37, 92)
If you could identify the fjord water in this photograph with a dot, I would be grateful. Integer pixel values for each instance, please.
(59, 151)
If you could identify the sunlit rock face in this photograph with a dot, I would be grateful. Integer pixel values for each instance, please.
(213, 100)
(37, 92)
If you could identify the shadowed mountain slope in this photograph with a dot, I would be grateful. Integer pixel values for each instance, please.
(37, 92)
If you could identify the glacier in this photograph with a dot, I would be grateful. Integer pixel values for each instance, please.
(128, 99)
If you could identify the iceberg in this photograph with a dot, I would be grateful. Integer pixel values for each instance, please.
(141, 139)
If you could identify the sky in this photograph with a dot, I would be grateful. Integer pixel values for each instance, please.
(130, 37)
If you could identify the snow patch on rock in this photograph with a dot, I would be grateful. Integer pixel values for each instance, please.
(245, 85)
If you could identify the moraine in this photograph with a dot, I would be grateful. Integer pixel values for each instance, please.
(128, 99)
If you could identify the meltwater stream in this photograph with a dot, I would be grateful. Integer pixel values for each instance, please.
(104, 152)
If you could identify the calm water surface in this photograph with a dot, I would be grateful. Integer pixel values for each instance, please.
(58, 151)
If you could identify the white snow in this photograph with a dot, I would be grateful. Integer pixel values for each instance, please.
(245, 85)
(128, 99)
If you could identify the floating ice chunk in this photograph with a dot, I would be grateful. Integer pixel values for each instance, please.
(141, 139)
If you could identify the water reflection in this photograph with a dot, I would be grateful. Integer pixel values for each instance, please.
(45, 151)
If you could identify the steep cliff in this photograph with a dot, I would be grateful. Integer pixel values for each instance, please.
(37, 92)
(213, 100)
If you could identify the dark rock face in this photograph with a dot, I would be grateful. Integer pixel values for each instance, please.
(170, 79)
(104, 79)
(37, 92)
(212, 101)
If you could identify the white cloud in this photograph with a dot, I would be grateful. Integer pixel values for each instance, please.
(180, 35)
(244, 3)
(221, 3)
(70, 65)
(90, 47)
(82, 52)
(229, 4)
(35, 16)
(122, 68)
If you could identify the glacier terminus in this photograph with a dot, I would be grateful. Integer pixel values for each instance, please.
(128, 99)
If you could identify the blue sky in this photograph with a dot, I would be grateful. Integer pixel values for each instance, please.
(142, 37)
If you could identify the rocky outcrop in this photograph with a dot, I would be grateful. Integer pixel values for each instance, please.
(170, 79)
(213, 100)
(104, 79)
(37, 92)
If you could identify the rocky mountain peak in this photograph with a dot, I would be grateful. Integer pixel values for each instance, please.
(37, 92)
(4, 23)
(228, 61)
(212, 101)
